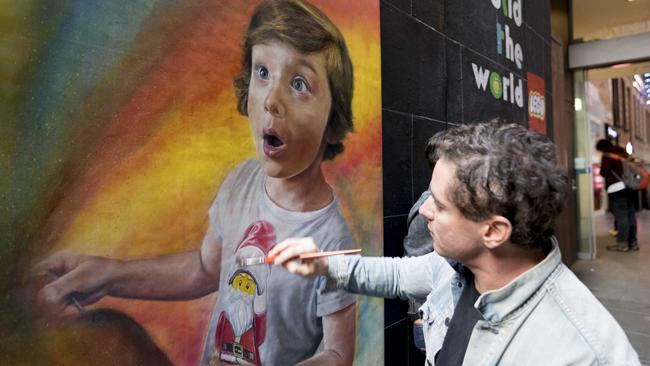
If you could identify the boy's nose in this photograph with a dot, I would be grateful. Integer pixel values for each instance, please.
(273, 103)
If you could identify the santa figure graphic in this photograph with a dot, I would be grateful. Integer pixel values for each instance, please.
(242, 324)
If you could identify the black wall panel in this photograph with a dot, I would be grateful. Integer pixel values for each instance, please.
(428, 85)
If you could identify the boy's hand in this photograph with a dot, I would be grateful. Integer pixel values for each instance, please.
(72, 279)
(286, 254)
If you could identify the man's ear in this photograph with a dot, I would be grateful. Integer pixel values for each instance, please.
(497, 231)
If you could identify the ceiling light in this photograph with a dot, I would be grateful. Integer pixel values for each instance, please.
(638, 79)
(637, 86)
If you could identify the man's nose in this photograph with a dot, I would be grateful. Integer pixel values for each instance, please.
(274, 101)
(425, 209)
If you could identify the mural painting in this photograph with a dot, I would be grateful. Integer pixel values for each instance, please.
(153, 144)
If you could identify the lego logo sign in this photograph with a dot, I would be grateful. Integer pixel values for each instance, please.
(536, 104)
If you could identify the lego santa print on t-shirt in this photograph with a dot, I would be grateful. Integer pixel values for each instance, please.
(242, 324)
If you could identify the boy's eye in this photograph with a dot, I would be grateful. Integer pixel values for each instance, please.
(262, 72)
(299, 84)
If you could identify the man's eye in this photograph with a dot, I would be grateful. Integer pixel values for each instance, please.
(262, 72)
(299, 84)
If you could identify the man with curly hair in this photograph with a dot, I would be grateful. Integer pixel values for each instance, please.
(496, 191)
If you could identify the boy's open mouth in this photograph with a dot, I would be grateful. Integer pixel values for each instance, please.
(273, 144)
(272, 140)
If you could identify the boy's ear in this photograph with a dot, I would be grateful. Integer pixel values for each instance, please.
(497, 231)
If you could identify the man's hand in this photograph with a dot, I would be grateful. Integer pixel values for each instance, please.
(286, 253)
(73, 279)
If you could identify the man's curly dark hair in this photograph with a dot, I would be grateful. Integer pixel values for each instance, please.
(504, 169)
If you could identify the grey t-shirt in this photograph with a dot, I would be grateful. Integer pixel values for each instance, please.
(266, 315)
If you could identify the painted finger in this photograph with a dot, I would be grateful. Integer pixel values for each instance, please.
(50, 301)
(58, 263)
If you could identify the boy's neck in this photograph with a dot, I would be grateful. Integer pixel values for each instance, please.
(307, 191)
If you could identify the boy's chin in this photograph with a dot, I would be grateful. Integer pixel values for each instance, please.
(272, 169)
(275, 170)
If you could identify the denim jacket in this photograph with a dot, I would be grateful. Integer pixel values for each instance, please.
(545, 316)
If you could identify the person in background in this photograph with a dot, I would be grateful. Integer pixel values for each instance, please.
(621, 199)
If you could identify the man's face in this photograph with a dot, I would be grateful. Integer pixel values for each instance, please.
(289, 102)
(454, 235)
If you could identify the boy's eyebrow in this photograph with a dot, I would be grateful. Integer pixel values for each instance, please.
(307, 64)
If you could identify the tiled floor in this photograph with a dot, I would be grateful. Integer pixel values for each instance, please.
(621, 281)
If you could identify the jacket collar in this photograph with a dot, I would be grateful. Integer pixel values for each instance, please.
(496, 305)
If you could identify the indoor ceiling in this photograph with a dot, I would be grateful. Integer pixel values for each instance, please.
(618, 71)
(639, 72)
(603, 19)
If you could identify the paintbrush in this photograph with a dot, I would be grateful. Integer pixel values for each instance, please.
(77, 304)
(243, 262)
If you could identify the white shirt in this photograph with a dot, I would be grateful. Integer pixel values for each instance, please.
(616, 187)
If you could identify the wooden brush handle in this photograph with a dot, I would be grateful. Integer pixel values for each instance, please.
(327, 254)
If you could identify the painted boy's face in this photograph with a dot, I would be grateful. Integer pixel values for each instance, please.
(289, 102)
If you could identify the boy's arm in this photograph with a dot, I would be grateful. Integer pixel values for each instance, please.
(339, 331)
(86, 279)
(178, 276)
